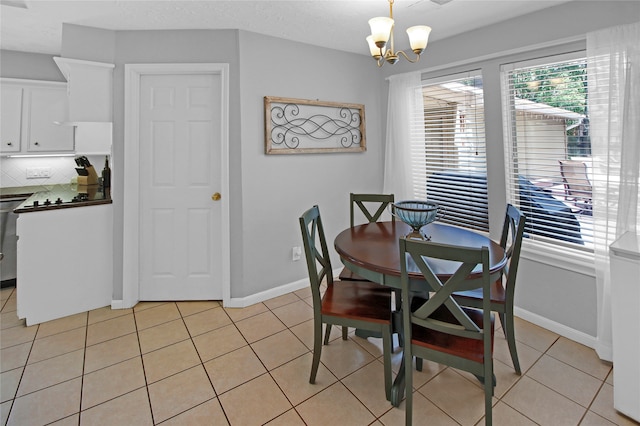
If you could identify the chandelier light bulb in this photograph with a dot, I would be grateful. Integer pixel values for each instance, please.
(381, 30)
(418, 38)
(375, 51)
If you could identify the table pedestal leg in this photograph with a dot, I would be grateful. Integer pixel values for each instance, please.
(366, 333)
(397, 389)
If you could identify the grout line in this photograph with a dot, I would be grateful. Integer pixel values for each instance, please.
(24, 368)
(144, 373)
(215, 392)
(84, 363)
(592, 401)
(587, 409)
(269, 371)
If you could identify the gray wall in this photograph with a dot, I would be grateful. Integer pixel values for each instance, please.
(276, 189)
(267, 193)
(89, 44)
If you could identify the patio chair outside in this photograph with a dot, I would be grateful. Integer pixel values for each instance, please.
(577, 187)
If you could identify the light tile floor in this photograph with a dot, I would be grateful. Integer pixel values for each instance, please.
(192, 363)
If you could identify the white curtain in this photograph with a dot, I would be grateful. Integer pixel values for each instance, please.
(404, 118)
(614, 113)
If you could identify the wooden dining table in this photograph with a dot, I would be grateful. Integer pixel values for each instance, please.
(372, 251)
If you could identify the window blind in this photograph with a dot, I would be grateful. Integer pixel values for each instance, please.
(548, 148)
(449, 160)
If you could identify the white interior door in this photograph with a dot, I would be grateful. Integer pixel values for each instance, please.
(179, 220)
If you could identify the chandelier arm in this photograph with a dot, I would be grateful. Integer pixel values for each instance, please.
(391, 56)
(413, 61)
(392, 26)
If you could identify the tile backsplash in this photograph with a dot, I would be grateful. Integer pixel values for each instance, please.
(13, 171)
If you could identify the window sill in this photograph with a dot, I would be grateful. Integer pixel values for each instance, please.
(559, 257)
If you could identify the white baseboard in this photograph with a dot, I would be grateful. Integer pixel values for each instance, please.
(119, 304)
(243, 302)
(561, 329)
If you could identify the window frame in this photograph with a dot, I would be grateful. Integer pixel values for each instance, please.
(548, 244)
(538, 252)
(478, 218)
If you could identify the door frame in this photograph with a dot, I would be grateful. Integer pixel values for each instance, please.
(131, 192)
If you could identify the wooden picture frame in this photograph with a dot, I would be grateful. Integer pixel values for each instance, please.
(299, 126)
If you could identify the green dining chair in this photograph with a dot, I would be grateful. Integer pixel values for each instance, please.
(371, 206)
(503, 290)
(441, 330)
(360, 304)
(366, 203)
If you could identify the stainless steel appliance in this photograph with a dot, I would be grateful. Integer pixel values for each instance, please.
(8, 240)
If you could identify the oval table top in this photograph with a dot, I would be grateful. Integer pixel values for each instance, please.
(372, 250)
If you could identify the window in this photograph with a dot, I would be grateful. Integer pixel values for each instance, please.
(450, 159)
(548, 149)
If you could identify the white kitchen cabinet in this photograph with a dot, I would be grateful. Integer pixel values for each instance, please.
(90, 89)
(11, 118)
(625, 298)
(46, 106)
(32, 109)
(65, 262)
(93, 138)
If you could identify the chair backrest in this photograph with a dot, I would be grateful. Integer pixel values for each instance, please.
(511, 241)
(381, 201)
(420, 253)
(575, 178)
(318, 260)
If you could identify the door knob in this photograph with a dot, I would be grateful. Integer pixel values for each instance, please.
(216, 196)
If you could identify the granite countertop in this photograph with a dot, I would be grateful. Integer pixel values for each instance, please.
(67, 195)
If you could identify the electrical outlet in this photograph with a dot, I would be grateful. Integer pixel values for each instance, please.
(38, 172)
(296, 253)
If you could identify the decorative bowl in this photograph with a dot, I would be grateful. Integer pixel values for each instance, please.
(416, 214)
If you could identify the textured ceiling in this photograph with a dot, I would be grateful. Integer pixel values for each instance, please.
(36, 25)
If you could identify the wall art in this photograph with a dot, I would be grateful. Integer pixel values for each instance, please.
(297, 126)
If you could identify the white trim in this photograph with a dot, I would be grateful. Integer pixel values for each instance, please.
(500, 54)
(131, 242)
(562, 330)
(62, 62)
(507, 53)
(243, 302)
(39, 83)
(545, 60)
(119, 304)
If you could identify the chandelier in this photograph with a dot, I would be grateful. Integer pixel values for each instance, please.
(382, 35)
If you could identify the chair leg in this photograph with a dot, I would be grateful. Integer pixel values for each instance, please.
(345, 332)
(508, 326)
(418, 364)
(489, 386)
(488, 395)
(481, 379)
(408, 385)
(317, 348)
(327, 332)
(386, 350)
